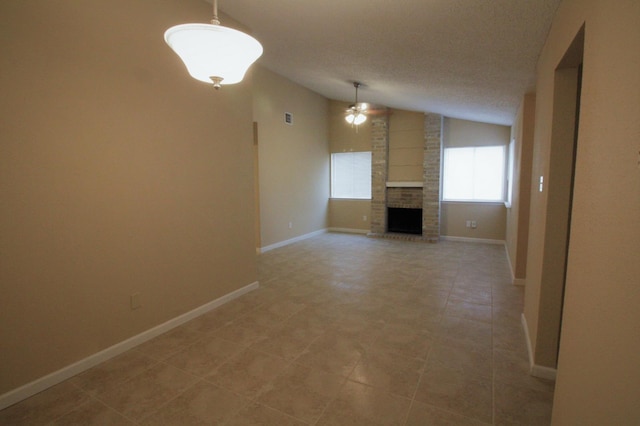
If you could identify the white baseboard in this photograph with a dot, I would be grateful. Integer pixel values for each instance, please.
(292, 240)
(513, 275)
(536, 370)
(350, 230)
(471, 240)
(515, 281)
(544, 372)
(519, 282)
(69, 371)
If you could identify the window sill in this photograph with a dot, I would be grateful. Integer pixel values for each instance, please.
(349, 199)
(490, 203)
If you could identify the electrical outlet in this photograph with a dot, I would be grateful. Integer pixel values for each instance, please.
(135, 301)
(474, 225)
(364, 218)
(290, 225)
(468, 224)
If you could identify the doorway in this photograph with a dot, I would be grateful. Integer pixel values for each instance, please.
(256, 188)
(559, 186)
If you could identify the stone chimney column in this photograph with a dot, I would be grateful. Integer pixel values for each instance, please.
(431, 177)
(379, 170)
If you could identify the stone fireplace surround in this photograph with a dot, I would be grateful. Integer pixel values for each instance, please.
(424, 195)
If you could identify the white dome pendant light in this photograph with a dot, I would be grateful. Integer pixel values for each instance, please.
(213, 53)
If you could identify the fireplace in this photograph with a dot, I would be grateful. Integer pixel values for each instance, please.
(404, 220)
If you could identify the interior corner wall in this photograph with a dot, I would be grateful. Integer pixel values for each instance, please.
(598, 376)
(517, 228)
(293, 159)
(119, 174)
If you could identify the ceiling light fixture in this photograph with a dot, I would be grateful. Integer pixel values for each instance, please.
(213, 53)
(355, 113)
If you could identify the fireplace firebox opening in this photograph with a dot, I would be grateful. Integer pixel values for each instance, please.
(404, 221)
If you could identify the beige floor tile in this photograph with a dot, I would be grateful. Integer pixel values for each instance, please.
(463, 357)
(143, 394)
(389, 372)
(204, 356)
(248, 373)
(427, 415)
(259, 415)
(410, 315)
(479, 295)
(201, 404)
(167, 344)
(93, 413)
(509, 336)
(508, 295)
(283, 308)
(513, 368)
(507, 313)
(238, 334)
(211, 321)
(332, 352)
(44, 406)
(361, 328)
(410, 342)
(359, 404)
(314, 319)
(432, 299)
(452, 390)
(467, 310)
(517, 405)
(114, 372)
(302, 392)
(287, 341)
(465, 331)
(260, 320)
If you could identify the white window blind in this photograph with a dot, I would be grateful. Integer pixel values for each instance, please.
(351, 175)
(474, 174)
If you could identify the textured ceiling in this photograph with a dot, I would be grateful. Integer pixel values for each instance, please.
(469, 59)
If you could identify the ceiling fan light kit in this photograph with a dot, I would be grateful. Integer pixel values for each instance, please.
(212, 53)
(356, 112)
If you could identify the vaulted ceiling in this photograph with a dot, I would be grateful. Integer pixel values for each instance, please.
(469, 59)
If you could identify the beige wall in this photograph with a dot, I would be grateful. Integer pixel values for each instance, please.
(517, 225)
(293, 159)
(406, 146)
(490, 217)
(461, 133)
(598, 376)
(119, 174)
(348, 215)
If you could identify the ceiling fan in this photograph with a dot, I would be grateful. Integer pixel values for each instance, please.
(357, 112)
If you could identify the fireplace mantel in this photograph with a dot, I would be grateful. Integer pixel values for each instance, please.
(404, 184)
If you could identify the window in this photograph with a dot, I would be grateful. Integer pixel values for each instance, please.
(474, 174)
(351, 175)
(510, 168)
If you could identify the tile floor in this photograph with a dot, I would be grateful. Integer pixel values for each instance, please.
(344, 330)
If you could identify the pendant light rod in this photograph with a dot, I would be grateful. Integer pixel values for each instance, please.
(215, 20)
